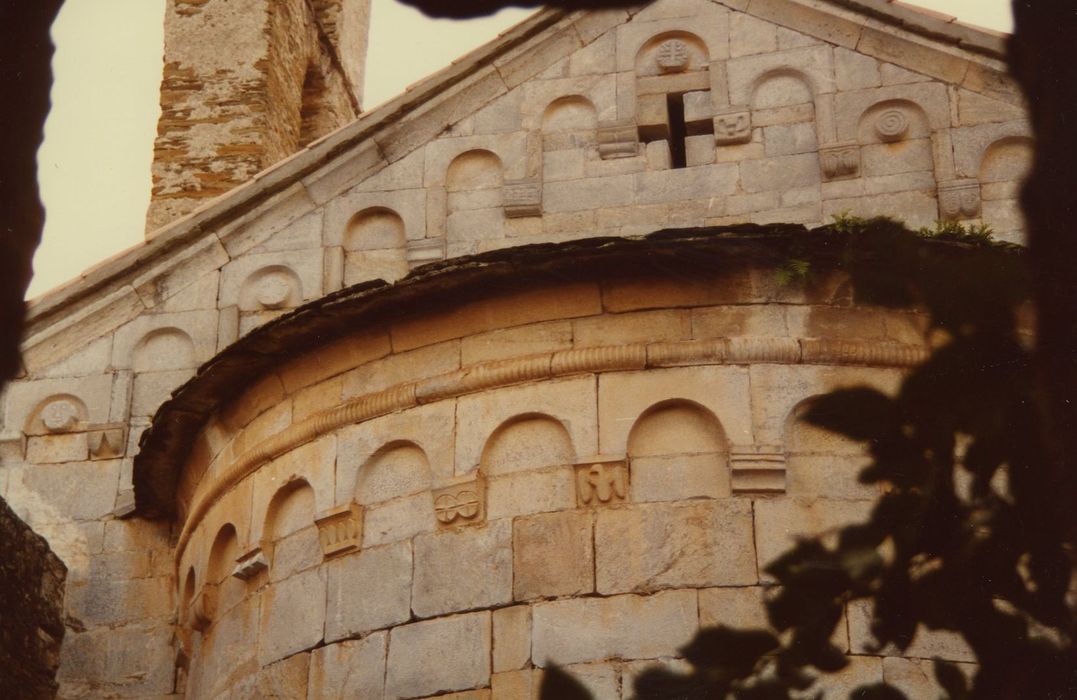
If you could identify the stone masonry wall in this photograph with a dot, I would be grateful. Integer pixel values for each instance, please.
(595, 518)
(32, 600)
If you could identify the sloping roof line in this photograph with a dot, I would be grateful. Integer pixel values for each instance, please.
(114, 273)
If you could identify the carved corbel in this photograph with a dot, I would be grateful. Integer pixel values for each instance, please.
(341, 530)
(601, 481)
(757, 469)
(107, 442)
(840, 161)
(733, 126)
(618, 140)
(251, 564)
(460, 504)
(522, 198)
(203, 607)
(425, 250)
(959, 199)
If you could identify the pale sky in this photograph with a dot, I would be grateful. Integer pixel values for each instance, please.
(94, 167)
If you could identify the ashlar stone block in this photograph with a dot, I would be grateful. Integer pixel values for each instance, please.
(512, 638)
(553, 555)
(350, 669)
(579, 630)
(458, 645)
(293, 616)
(368, 591)
(653, 546)
(462, 569)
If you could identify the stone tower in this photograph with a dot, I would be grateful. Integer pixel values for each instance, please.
(246, 84)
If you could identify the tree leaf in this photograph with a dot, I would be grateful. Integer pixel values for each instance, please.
(951, 679)
(877, 691)
(860, 413)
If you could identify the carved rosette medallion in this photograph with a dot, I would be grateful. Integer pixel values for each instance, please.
(341, 530)
(840, 161)
(273, 291)
(959, 199)
(757, 469)
(460, 504)
(601, 482)
(672, 56)
(522, 198)
(892, 125)
(733, 126)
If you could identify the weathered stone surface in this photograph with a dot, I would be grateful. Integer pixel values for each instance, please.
(32, 578)
(927, 644)
(626, 626)
(292, 616)
(654, 546)
(530, 492)
(511, 638)
(462, 569)
(350, 669)
(553, 555)
(458, 648)
(368, 590)
(734, 607)
(779, 522)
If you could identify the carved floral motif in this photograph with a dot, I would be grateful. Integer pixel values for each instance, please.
(600, 483)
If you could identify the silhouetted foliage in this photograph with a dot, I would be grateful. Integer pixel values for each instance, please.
(960, 538)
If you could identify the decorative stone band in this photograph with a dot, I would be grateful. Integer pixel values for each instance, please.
(340, 530)
(491, 375)
(757, 469)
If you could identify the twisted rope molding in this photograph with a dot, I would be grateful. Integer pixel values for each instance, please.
(502, 373)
